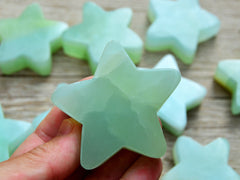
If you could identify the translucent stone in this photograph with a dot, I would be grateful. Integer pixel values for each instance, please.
(186, 96)
(88, 39)
(118, 107)
(28, 41)
(194, 161)
(179, 26)
(227, 74)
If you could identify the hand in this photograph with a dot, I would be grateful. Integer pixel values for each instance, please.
(53, 152)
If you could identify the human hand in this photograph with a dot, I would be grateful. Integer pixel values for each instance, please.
(53, 152)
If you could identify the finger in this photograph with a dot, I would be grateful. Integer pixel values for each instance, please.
(86, 78)
(55, 159)
(115, 167)
(47, 130)
(49, 127)
(144, 168)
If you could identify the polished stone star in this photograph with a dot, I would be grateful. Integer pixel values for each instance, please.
(88, 39)
(9, 131)
(28, 41)
(227, 74)
(179, 26)
(194, 161)
(118, 107)
(186, 96)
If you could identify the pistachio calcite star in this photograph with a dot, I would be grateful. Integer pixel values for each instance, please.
(186, 96)
(118, 107)
(179, 26)
(20, 139)
(9, 131)
(227, 74)
(194, 161)
(88, 39)
(28, 41)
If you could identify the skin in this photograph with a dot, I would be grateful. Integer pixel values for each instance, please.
(53, 152)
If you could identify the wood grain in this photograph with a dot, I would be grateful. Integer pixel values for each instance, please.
(25, 94)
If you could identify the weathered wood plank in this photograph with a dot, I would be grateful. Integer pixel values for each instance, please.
(24, 94)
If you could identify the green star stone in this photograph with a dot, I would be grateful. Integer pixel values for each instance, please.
(194, 161)
(179, 26)
(118, 107)
(88, 39)
(28, 41)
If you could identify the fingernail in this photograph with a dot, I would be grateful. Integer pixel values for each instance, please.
(66, 127)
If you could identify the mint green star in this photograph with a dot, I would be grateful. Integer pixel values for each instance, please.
(179, 26)
(118, 107)
(227, 74)
(194, 161)
(28, 41)
(88, 39)
(9, 131)
(186, 96)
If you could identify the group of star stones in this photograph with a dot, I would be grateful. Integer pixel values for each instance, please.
(30, 46)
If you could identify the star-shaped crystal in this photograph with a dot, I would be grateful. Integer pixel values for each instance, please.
(227, 74)
(179, 26)
(28, 41)
(194, 161)
(118, 107)
(9, 131)
(88, 39)
(186, 96)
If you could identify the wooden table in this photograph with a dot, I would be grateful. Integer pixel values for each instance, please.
(25, 94)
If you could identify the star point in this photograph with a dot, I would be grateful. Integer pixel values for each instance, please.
(10, 130)
(31, 11)
(20, 139)
(119, 105)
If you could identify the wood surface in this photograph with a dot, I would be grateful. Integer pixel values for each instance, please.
(25, 94)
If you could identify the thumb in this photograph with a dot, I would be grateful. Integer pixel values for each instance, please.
(55, 159)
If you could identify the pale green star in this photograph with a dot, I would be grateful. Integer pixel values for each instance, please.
(28, 41)
(179, 26)
(194, 161)
(118, 107)
(88, 39)
(186, 96)
(10, 130)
